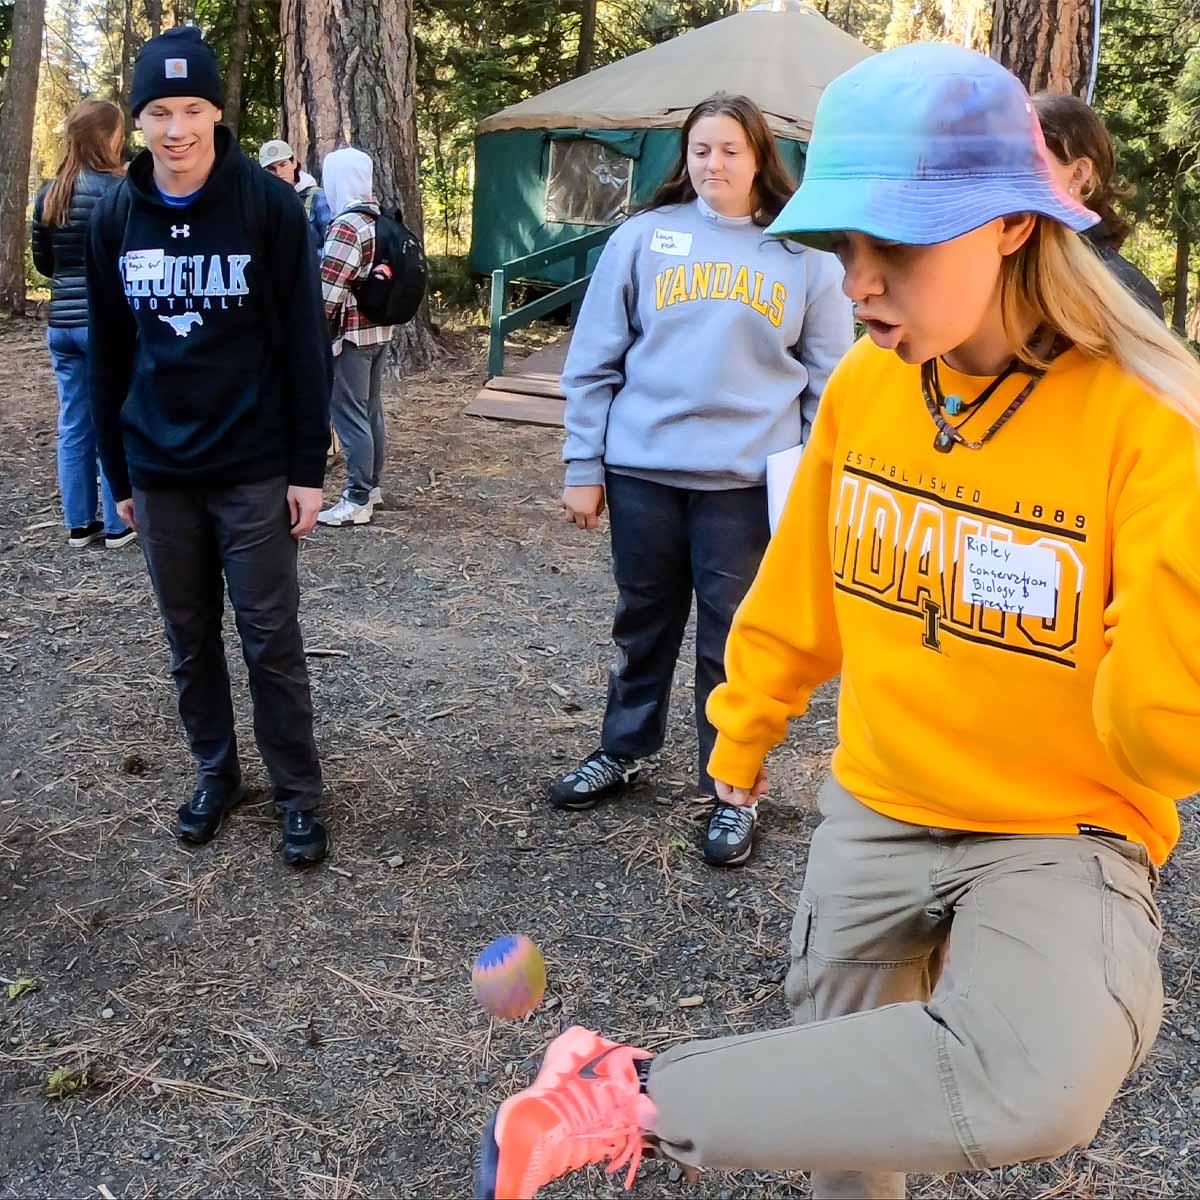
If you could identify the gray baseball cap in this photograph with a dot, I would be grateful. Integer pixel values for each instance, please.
(274, 151)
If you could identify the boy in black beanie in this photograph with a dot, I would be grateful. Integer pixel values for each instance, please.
(210, 380)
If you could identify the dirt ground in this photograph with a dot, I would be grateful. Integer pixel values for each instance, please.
(211, 1023)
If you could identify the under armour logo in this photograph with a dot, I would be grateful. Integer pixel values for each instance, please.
(183, 323)
(181, 231)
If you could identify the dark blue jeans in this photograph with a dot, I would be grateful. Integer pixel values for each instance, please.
(666, 543)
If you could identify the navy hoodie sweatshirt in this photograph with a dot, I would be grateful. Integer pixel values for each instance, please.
(209, 358)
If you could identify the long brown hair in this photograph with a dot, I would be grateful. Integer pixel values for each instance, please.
(1073, 130)
(773, 183)
(89, 134)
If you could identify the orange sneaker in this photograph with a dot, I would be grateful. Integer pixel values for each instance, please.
(585, 1106)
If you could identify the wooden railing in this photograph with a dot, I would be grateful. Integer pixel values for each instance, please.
(503, 322)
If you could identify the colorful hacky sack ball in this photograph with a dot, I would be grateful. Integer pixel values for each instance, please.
(509, 977)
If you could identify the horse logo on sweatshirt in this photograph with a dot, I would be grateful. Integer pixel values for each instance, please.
(182, 324)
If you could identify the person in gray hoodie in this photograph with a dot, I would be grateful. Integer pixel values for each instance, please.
(702, 347)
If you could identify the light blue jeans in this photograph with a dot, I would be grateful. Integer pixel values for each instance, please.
(77, 463)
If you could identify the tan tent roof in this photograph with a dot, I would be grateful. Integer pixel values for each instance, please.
(780, 59)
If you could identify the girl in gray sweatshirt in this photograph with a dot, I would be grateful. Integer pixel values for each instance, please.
(701, 348)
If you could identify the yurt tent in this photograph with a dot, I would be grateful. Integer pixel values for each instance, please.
(579, 156)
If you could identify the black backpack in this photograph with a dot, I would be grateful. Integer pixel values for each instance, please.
(393, 290)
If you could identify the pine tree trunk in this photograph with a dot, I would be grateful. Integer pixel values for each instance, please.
(126, 51)
(349, 79)
(587, 38)
(154, 16)
(1046, 44)
(237, 66)
(1193, 325)
(17, 102)
(126, 86)
(1183, 252)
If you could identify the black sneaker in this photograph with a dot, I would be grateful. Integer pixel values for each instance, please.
(599, 775)
(85, 535)
(200, 818)
(729, 838)
(114, 541)
(304, 839)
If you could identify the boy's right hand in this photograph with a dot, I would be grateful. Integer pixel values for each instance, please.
(582, 506)
(127, 514)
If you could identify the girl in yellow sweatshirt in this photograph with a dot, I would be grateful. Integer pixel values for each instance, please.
(994, 538)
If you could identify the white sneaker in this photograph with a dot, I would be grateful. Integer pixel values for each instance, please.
(376, 496)
(346, 512)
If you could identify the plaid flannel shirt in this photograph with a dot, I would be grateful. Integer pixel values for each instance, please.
(349, 252)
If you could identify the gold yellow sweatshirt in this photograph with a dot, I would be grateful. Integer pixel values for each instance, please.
(1017, 628)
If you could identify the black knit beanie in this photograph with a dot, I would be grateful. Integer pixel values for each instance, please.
(176, 63)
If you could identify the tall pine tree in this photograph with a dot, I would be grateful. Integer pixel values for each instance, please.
(18, 97)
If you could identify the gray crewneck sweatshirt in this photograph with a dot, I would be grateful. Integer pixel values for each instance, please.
(702, 346)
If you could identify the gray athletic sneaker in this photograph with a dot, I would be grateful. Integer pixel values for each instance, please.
(599, 775)
(729, 838)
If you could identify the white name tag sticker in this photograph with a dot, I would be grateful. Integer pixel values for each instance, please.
(667, 241)
(1011, 578)
(143, 264)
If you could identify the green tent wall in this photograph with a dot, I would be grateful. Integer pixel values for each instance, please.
(509, 218)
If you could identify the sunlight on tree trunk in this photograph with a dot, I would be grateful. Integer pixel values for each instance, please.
(1193, 325)
(1046, 44)
(349, 79)
(17, 103)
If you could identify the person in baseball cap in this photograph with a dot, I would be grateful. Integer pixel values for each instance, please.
(274, 156)
(993, 538)
(277, 157)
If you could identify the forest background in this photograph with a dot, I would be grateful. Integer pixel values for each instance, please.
(413, 77)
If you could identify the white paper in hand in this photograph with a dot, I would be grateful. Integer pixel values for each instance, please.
(781, 470)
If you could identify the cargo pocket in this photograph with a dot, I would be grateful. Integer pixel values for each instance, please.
(1132, 936)
(797, 989)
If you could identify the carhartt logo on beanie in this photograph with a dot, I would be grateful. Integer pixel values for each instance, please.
(176, 63)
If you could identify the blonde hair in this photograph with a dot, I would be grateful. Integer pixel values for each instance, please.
(90, 130)
(1058, 280)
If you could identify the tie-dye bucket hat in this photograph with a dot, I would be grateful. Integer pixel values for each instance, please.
(920, 145)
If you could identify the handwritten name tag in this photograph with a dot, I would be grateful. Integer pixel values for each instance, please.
(143, 264)
(1012, 578)
(667, 241)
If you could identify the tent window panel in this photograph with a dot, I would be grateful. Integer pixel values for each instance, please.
(588, 184)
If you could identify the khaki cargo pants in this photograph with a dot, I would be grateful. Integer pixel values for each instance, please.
(962, 1001)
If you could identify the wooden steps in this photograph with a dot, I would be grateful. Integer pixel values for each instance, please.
(531, 393)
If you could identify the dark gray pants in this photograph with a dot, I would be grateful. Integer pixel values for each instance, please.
(666, 543)
(357, 409)
(190, 539)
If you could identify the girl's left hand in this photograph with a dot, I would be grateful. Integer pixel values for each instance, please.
(742, 797)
